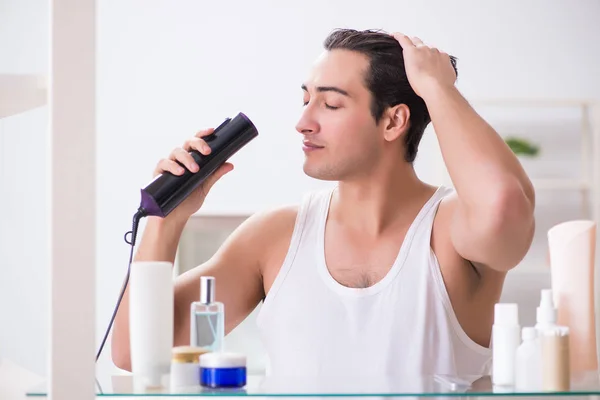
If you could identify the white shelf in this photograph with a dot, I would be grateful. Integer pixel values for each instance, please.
(548, 184)
(588, 181)
(20, 93)
(516, 102)
(560, 184)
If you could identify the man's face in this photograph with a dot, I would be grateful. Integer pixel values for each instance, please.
(340, 137)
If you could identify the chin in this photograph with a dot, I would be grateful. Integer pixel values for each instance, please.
(323, 173)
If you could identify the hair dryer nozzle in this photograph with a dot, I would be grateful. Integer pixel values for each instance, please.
(167, 191)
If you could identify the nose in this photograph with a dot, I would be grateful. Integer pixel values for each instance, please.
(307, 124)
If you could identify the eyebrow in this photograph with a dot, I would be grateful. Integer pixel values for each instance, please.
(328, 89)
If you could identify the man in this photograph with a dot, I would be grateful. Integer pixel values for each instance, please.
(384, 275)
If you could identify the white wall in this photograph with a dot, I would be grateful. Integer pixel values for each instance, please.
(167, 69)
(24, 277)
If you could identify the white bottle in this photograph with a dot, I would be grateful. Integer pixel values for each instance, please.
(506, 337)
(546, 312)
(528, 362)
(151, 302)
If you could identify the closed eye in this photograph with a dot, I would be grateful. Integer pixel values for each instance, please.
(305, 103)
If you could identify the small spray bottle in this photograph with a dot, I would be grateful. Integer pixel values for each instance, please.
(207, 319)
(546, 312)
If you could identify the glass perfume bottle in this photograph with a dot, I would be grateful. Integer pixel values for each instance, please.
(207, 323)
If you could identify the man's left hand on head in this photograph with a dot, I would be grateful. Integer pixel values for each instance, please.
(427, 68)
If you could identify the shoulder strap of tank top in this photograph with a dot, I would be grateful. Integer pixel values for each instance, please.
(432, 207)
(441, 194)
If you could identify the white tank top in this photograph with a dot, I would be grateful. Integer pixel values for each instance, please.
(312, 325)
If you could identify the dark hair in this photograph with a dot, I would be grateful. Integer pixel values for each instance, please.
(386, 78)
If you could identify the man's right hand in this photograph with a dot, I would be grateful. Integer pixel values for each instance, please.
(181, 154)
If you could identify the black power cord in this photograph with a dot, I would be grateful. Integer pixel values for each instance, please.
(141, 213)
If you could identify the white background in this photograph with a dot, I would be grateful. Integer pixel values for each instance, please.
(169, 68)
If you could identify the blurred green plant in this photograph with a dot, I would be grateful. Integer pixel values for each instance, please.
(521, 146)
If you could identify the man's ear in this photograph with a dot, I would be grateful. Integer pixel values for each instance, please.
(396, 122)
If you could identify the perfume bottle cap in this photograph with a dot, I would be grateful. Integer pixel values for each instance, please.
(207, 289)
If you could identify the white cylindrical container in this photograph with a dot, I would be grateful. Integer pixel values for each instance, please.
(528, 368)
(185, 367)
(151, 321)
(506, 337)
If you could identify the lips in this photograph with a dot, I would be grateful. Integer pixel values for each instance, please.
(311, 145)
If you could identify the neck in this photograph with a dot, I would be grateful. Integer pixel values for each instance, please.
(375, 203)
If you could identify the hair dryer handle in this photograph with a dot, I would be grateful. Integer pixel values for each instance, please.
(167, 190)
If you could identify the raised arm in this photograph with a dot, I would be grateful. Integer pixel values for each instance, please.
(236, 267)
(493, 220)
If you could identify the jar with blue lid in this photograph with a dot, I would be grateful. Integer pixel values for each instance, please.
(222, 370)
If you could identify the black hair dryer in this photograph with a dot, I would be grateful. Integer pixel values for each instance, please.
(167, 190)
